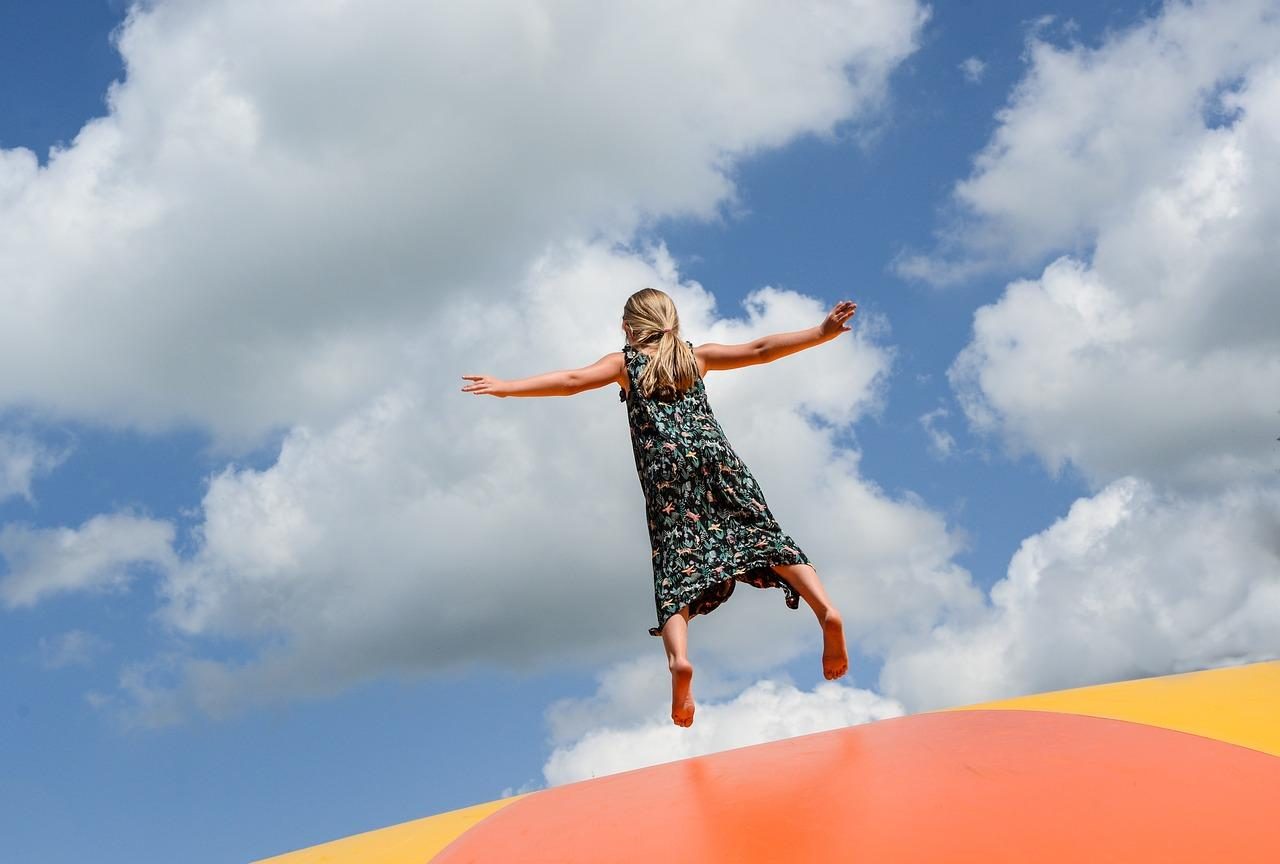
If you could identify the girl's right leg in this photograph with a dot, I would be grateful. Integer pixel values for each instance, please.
(675, 638)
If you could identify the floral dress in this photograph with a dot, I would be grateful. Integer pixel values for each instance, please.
(709, 525)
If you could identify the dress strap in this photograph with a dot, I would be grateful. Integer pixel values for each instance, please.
(626, 364)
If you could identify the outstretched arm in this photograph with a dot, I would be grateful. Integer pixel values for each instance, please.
(766, 349)
(566, 382)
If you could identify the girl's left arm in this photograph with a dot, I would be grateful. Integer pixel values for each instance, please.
(566, 382)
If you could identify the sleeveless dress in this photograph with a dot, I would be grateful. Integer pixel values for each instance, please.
(709, 525)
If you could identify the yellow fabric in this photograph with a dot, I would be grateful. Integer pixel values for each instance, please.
(1240, 704)
(413, 842)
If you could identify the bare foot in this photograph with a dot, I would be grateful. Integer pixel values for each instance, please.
(681, 695)
(835, 657)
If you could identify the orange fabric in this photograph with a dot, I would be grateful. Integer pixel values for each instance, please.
(964, 786)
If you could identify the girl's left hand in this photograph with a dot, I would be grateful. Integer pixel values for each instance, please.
(483, 385)
(834, 323)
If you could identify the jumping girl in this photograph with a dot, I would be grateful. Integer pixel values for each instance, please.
(709, 525)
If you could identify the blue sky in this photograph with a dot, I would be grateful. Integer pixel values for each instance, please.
(164, 698)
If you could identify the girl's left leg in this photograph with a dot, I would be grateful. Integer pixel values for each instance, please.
(835, 657)
(675, 638)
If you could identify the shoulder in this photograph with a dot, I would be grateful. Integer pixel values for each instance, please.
(699, 358)
(617, 361)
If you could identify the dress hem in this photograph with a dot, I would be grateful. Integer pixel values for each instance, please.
(711, 597)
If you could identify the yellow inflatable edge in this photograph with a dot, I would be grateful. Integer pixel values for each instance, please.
(1237, 704)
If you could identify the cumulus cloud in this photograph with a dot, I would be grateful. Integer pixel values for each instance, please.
(282, 196)
(602, 736)
(1149, 361)
(102, 554)
(1088, 130)
(287, 228)
(1159, 357)
(437, 529)
(1130, 583)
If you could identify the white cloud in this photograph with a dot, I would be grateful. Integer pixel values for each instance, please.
(1151, 350)
(436, 529)
(102, 554)
(1130, 583)
(1160, 357)
(283, 196)
(1087, 130)
(1149, 360)
(284, 227)
(941, 442)
(767, 710)
(22, 459)
(972, 68)
(636, 687)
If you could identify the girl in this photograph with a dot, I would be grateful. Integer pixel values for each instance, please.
(709, 525)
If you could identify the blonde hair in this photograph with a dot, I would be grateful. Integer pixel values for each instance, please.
(651, 317)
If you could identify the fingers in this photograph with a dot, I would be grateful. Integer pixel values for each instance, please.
(843, 309)
(842, 312)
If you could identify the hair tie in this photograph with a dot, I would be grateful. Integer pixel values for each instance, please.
(667, 329)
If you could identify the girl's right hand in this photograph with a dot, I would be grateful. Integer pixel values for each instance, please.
(483, 385)
(834, 323)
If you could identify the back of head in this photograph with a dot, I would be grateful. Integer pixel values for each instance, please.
(650, 316)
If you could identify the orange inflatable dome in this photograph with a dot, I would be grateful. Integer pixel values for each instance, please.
(1183, 768)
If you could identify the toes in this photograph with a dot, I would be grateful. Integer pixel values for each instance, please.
(832, 670)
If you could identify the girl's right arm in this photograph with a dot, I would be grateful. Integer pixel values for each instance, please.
(567, 382)
(766, 349)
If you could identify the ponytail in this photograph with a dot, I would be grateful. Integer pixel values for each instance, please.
(671, 370)
(651, 318)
